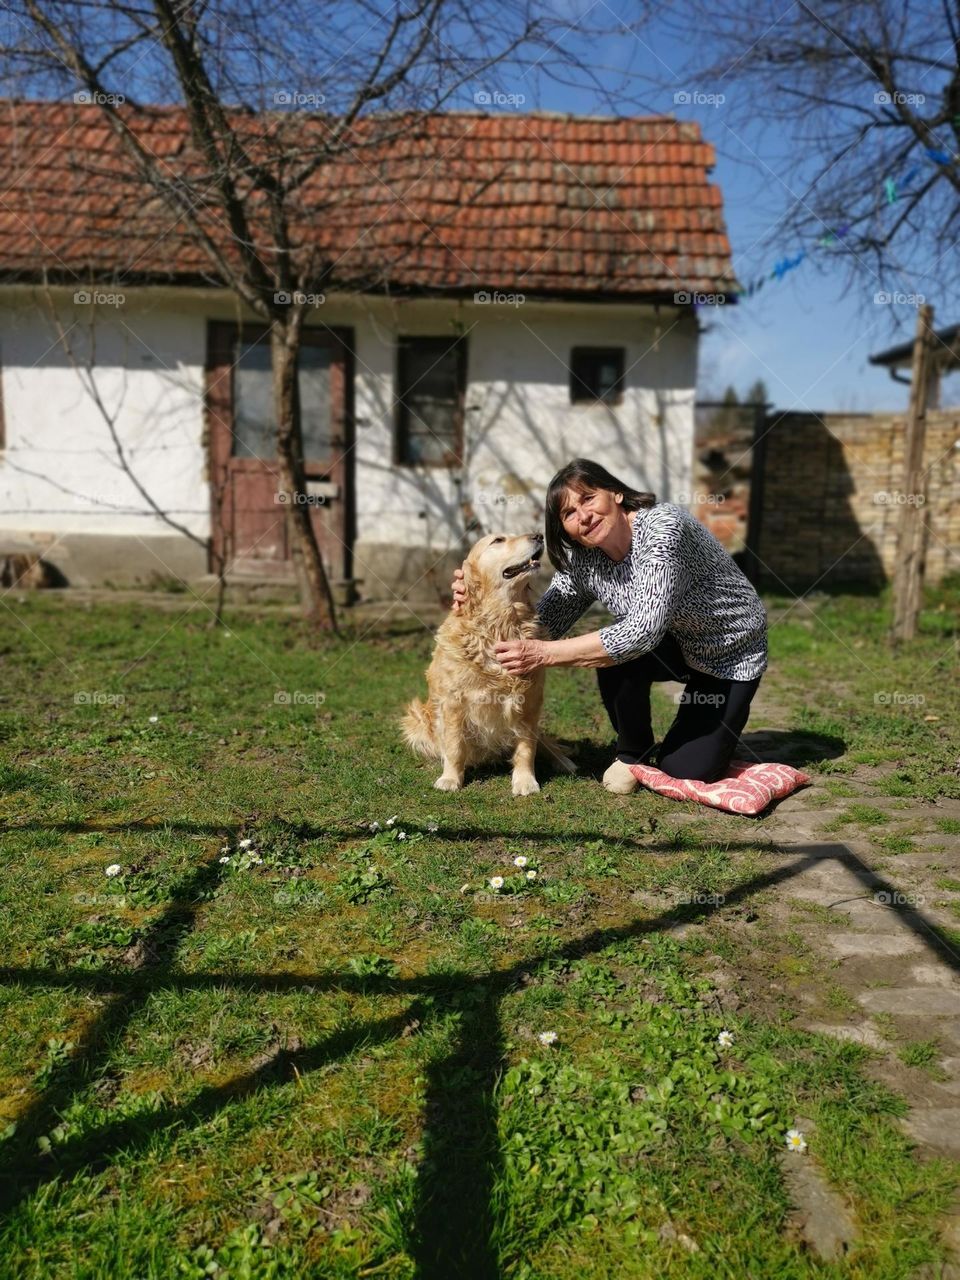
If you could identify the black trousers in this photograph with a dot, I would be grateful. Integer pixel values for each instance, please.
(711, 714)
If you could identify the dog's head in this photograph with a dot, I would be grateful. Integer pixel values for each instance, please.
(500, 568)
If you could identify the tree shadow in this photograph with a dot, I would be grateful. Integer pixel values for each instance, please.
(795, 747)
(452, 1231)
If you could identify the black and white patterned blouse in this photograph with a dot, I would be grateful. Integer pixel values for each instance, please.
(675, 578)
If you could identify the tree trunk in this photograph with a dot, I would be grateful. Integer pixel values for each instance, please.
(315, 595)
(908, 575)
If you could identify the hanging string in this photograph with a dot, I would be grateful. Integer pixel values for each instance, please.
(893, 188)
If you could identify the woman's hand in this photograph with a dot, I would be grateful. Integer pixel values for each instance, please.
(459, 590)
(520, 657)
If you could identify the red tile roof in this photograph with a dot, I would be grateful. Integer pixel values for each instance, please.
(538, 204)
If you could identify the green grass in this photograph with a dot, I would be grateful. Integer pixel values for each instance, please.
(921, 1053)
(318, 1053)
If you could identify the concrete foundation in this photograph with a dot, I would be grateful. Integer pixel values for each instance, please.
(119, 560)
(384, 572)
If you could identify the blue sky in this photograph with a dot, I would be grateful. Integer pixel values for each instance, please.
(807, 336)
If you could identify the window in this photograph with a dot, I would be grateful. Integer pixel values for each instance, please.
(254, 422)
(431, 380)
(596, 373)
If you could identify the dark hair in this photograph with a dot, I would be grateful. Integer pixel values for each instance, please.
(582, 475)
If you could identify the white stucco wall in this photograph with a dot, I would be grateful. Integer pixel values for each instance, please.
(520, 425)
(60, 475)
(60, 469)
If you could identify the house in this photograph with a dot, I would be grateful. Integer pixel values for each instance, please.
(549, 313)
(944, 359)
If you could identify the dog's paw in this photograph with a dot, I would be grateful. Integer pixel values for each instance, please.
(525, 785)
(445, 783)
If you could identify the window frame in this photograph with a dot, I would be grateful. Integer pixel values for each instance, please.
(247, 335)
(577, 384)
(453, 458)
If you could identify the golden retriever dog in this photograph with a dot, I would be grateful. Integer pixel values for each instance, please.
(475, 711)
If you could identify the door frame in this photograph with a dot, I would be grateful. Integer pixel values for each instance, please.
(218, 428)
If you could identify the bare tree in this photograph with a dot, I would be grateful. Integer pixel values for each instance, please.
(866, 96)
(259, 177)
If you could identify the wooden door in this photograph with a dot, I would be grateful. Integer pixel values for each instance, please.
(249, 524)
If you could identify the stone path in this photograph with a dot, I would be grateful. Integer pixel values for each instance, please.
(872, 919)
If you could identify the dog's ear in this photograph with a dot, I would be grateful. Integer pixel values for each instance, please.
(471, 584)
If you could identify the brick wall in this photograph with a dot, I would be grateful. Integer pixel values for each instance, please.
(831, 497)
(723, 463)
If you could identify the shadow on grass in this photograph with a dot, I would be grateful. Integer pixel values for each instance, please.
(796, 747)
(452, 1230)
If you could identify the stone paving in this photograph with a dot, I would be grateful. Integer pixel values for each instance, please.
(886, 928)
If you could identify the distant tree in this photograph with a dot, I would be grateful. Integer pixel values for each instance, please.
(757, 393)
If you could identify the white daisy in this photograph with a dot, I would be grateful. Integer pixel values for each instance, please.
(224, 859)
(547, 1037)
(391, 821)
(795, 1140)
(153, 719)
(374, 826)
(433, 826)
(464, 888)
(245, 844)
(114, 869)
(531, 875)
(520, 860)
(496, 883)
(725, 1039)
(401, 835)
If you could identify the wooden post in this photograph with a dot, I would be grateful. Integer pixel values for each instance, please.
(908, 573)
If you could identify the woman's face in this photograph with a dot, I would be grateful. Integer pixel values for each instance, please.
(590, 516)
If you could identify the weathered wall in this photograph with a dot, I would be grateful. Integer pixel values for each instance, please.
(61, 485)
(832, 494)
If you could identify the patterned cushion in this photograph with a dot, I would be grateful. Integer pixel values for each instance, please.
(747, 788)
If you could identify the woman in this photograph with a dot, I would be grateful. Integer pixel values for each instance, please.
(684, 611)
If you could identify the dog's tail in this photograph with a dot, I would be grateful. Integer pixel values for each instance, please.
(417, 726)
